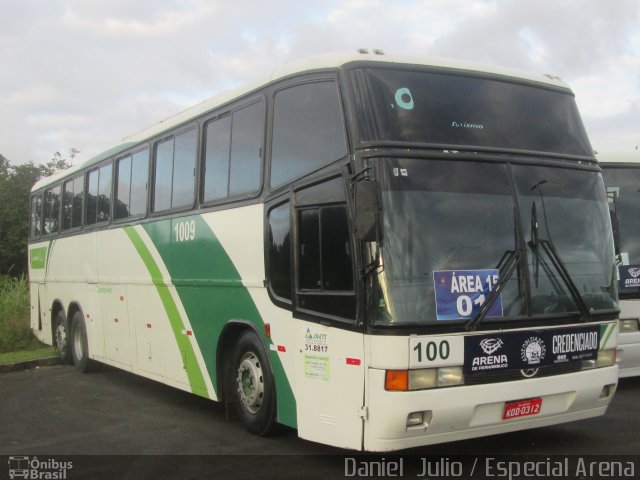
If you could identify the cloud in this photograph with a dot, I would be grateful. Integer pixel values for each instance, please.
(85, 74)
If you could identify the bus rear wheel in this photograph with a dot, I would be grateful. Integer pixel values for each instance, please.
(61, 337)
(80, 345)
(253, 386)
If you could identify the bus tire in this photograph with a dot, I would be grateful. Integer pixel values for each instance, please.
(254, 393)
(79, 345)
(61, 338)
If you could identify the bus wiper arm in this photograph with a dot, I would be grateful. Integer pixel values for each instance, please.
(509, 265)
(566, 278)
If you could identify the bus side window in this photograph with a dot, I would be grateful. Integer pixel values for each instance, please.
(324, 250)
(131, 185)
(99, 195)
(308, 130)
(324, 259)
(175, 163)
(279, 251)
(36, 216)
(233, 153)
(51, 210)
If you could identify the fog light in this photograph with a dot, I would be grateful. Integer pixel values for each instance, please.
(415, 418)
(608, 390)
(629, 325)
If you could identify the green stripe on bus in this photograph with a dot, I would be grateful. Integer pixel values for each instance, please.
(212, 293)
(609, 330)
(194, 374)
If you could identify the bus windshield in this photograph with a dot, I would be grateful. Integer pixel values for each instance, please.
(622, 187)
(425, 107)
(448, 226)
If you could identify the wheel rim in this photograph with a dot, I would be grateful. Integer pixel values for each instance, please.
(61, 337)
(250, 382)
(77, 340)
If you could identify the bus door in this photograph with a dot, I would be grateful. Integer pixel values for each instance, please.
(330, 365)
(329, 386)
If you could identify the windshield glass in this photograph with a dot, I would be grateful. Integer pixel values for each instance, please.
(448, 225)
(623, 188)
(445, 109)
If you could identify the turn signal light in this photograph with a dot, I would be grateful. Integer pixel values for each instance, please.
(422, 378)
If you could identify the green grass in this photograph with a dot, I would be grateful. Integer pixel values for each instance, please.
(15, 331)
(44, 351)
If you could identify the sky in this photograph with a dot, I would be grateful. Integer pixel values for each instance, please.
(86, 73)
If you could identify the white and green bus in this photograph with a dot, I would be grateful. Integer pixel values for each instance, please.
(379, 252)
(621, 174)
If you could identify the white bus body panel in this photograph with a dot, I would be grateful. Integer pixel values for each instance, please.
(629, 343)
(462, 412)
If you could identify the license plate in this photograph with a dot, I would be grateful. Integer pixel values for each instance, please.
(522, 408)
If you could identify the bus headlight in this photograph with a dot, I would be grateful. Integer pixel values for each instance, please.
(423, 378)
(629, 325)
(606, 358)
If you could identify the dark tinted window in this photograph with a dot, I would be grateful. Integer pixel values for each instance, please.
(309, 250)
(99, 195)
(624, 185)
(36, 216)
(73, 191)
(51, 210)
(233, 153)
(308, 131)
(163, 176)
(123, 187)
(216, 179)
(104, 194)
(175, 163)
(324, 249)
(279, 246)
(246, 149)
(139, 174)
(184, 169)
(92, 197)
(337, 273)
(444, 109)
(131, 185)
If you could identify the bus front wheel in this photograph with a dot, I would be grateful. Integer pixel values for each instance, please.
(253, 386)
(80, 345)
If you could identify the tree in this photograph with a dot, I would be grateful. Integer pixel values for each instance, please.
(15, 187)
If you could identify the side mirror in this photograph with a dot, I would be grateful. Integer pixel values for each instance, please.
(366, 209)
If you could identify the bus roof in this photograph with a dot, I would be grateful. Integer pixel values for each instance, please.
(326, 62)
(632, 157)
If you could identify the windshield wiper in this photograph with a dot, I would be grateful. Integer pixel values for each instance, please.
(556, 261)
(508, 263)
(566, 278)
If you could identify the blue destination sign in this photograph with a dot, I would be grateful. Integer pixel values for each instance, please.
(461, 293)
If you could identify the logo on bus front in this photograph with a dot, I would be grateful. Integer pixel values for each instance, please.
(629, 276)
(533, 350)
